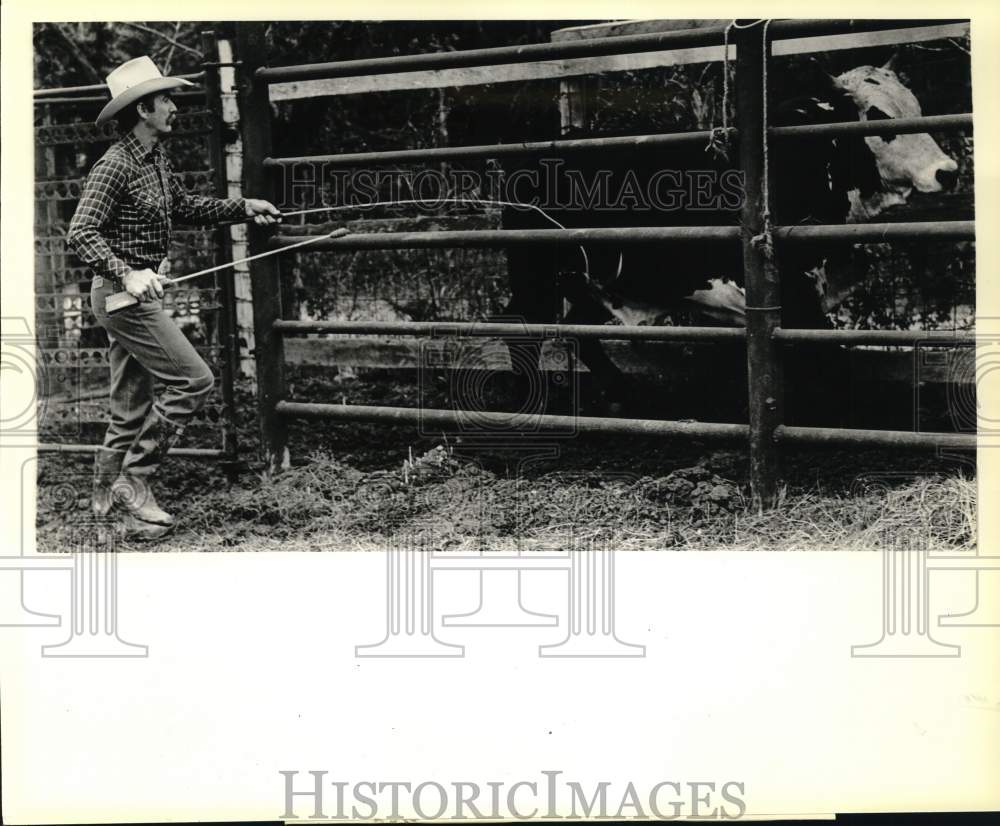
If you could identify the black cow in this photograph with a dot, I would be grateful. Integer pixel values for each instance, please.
(816, 180)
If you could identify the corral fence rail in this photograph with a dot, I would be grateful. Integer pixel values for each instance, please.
(763, 336)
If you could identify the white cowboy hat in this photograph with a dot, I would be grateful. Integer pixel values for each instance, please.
(133, 80)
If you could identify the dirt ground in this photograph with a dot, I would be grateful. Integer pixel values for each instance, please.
(361, 486)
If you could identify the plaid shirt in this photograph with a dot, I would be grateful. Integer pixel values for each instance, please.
(126, 210)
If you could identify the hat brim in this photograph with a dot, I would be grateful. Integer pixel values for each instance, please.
(147, 87)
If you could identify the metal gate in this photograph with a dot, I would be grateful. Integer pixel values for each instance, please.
(764, 337)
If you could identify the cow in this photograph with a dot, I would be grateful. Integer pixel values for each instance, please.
(816, 180)
(905, 162)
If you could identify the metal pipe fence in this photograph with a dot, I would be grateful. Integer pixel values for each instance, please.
(499, 150)
(763, 337)
(514, 237)
(495, 330)
(670, 140)
(839, 233)
(878, 233)
(604, 332)
(844, 437)
(899, 338)
(624, 44)
(546, 423)
(182, 452)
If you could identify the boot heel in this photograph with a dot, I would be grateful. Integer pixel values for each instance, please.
(107, 465)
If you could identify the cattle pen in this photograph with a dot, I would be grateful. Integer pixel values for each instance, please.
(766, 430)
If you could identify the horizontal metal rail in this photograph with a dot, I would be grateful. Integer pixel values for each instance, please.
(512, 237)
(512, 330)
(606, 332)
(878, 233)
(896, 126)
(181, 452)
(845, 233)
(92, 99)
(486, 422)
(842, 437)
(625, 44)
(501, 150)
(785, 29)
(899, 126)
(943, 338)
(96, 87)
(95, 99)
(503, 55)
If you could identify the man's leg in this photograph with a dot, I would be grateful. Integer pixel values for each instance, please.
(131, 401)
(154, 342)
(131, 397)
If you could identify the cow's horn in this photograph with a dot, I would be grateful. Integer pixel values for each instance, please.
(890, 64)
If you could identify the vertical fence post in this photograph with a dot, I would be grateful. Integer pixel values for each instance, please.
(233, 156)
(265, 276)
(227, 339)
(763, 293)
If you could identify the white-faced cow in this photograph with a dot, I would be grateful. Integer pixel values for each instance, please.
(816, 180)
(905, 162)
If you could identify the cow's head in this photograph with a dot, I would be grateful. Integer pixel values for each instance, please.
(905, 162)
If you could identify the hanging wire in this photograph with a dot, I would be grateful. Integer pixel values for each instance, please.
(718, 138)
(764, 242)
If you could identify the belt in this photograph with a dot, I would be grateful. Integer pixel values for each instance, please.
(114, 281)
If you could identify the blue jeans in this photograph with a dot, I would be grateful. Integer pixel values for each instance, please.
(146, 344)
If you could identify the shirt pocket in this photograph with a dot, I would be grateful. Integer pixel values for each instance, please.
(148, 202)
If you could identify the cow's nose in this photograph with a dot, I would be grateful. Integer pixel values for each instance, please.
(947, 178)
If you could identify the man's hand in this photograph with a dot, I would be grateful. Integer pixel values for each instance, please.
(264, 213)
(143, 284)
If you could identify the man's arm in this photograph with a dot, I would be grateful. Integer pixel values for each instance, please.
(200, 209)
(101, 193)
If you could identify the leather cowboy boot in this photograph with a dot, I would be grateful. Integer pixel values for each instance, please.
(132, 489)
(107, 464)
(138, 531)
(135, 496)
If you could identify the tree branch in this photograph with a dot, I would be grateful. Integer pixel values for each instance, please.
(169, 39)
(170, 54)
(77, 53)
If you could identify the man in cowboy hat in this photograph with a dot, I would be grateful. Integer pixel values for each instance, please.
(121, 228)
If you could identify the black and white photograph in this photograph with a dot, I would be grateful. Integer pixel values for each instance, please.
(631, 339)
(391, 277)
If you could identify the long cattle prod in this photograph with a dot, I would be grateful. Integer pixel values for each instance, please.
(120, 301)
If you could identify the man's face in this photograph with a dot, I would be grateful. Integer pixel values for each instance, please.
(160, 115)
